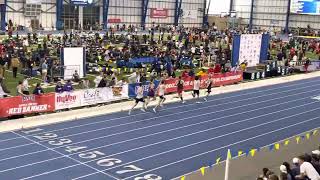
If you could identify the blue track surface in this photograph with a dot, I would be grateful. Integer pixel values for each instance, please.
(177, 140)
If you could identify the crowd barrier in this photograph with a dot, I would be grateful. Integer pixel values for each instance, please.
(218, 80)
(23, 105)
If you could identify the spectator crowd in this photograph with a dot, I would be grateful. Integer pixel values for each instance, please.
(303, 167)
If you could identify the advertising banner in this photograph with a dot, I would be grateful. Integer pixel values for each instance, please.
(190, 14)
(158, 13)
(250, 49)
(133, 88)
(89, 97)
(20, 105)
(67, 100)
(218, 80)
(114, 20)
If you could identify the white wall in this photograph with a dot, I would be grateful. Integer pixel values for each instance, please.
(268, 13)
(170, 5)
(165, 4)
(15, 12)
(128, 11)
(193, 5)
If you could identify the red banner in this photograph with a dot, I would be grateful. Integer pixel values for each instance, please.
(159, 13)
(114, 20)
(20, 105)
(218, 80)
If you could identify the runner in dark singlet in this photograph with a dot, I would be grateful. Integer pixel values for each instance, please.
(151, 92)
(209, 84)
(180, 85)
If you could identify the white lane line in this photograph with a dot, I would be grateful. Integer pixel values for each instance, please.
(200, 142)
(24, 155)
(161, 132)
(31, 164)
(14, 147)
(79, 162)
(181, 106)
(160, 123)
(224, 147)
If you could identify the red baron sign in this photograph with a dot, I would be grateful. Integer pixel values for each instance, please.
(218, 80)
(159, 13)
(20, 105)
(114, 20)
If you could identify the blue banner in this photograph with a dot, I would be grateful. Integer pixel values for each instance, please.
(235, 49)
(145, 60)
(264, 48)
(133, 88)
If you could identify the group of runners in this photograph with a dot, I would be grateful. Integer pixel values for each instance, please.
(154, 91)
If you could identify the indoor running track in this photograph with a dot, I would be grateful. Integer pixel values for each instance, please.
(145, 146)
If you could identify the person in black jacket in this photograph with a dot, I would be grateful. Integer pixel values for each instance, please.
(103, 82)
(4, 88)
(38, 90)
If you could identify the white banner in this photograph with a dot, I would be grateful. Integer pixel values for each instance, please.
(90, 97)
(73, 60)
(33, 2)
(68, 100)
(190, 14)
(96, 96)
(250, 48)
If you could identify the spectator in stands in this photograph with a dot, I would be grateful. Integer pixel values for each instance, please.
(3, 89)
(265, 173)
(76, 77)
(103, 82)
(2, 66)
(59, 88)
(86, 83)
(15, 63)
(317, 153)
(273, 177)
(98, 79)
(68, 86)
(307, 170)
(244, 65)
(19, 89)
(191, 73)
(284, 175)
(25, 86)
(227, 66)
(185, 74)
(315, 161)
(44, 71)
(38, 90)
(296, 169)
(112, 82)
(289, 170)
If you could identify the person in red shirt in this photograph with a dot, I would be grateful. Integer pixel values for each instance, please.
(292, 52)
(217, 68)
(185, 74)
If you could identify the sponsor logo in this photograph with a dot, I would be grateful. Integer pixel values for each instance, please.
(91, 94)
(28, 98)
(66, 98)
(28, 109)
